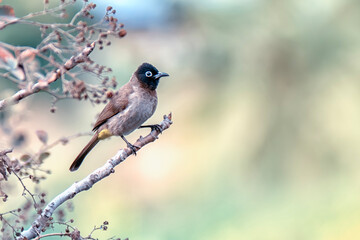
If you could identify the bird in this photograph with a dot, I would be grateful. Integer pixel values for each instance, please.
(127, 110)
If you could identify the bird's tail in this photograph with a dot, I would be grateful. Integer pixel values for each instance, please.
(79, 159)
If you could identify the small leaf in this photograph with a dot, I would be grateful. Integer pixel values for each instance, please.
(27, 55)
(43, 156)
(42, 135)
(11, 64)
(7, 10)
(5, 57)
(7, 14)
(25, 157)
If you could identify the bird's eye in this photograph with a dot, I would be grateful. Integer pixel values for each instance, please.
(148, 74)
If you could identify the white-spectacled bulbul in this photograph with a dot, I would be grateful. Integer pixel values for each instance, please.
(129, 107)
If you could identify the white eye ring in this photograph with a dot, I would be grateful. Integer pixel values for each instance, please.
(148, 74)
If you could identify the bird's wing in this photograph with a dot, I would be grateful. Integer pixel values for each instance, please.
(117, 104)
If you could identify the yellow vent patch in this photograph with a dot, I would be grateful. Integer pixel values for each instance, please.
(105, 133)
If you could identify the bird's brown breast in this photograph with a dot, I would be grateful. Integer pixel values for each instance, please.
(141, 105)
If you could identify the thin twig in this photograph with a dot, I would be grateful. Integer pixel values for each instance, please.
(63, 140)
(75, 17)
(93, 230)
(7, 223)
(9, 212)
(25, 189)
(6, 151)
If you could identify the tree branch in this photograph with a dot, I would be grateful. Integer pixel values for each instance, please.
(85, 184)
(50, 78)
(52, 235)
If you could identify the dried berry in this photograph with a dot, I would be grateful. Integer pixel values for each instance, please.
(122, 33)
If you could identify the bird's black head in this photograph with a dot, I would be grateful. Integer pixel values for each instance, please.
(149, 75)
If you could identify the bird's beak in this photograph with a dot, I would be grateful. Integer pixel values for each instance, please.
(161, 74)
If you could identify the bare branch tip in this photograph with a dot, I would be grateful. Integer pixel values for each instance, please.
(6, 151)
(169, 117)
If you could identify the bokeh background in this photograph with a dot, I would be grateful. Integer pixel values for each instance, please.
(265, 98)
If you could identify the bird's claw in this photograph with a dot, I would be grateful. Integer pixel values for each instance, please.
(133, 148)
(157, 128)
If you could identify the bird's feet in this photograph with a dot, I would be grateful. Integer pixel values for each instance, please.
(133, 148)
(155, 127)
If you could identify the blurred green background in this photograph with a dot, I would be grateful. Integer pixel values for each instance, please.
(265, 97)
